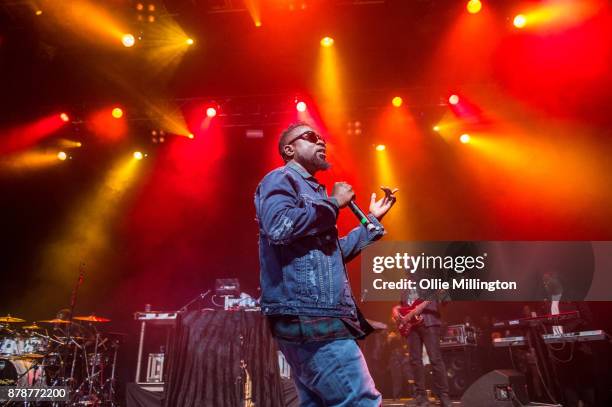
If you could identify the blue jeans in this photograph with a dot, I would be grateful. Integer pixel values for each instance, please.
(330, 373)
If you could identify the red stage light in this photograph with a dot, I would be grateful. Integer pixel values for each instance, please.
(211, 112)
(64, 117)
(300, 106)
(397, 101)
(453, 99)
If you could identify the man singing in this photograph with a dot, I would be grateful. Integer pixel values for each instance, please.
(305, 290)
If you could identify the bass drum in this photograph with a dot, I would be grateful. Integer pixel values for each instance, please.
(20, 373)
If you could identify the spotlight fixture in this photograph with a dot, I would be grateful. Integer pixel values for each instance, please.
(138, 155)
(300, 106)
(128, 40)
(64, 117)
(381, 147)
(117, 113)
(397, 101)
(211, 112)
(327, 42)
(474, 6)
(453, 99)
(465, 138)
(62, 156)
(520, 21)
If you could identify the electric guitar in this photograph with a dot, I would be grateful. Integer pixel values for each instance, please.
(410, 316)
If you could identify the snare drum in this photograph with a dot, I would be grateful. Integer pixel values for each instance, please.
(18, 373)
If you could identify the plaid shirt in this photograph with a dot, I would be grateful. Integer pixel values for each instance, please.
(301, 328)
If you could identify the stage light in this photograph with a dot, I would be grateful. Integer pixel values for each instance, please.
(38, 12)
(139, 6)
(211, 112)
(474, 6)
(151, 7)
(191, 136)
(327, 42)
(465, 138)
(381, 147)
(397, 101)
(257, 23)
(117, 113)
(62, 156)
(520, 21)
(128, 40)
(436, 128)
(64, 117)
(189, 41)
(300, 106)
(138, 155)
(453, 99)
(79, 144)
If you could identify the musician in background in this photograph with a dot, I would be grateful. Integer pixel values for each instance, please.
(427, 333)
(574, 362)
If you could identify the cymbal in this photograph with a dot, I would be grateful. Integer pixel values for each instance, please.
(33, 326)
(30, 356)
(92, 318)
(10, 319)
(55, 321)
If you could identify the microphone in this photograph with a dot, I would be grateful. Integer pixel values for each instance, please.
(363, 219)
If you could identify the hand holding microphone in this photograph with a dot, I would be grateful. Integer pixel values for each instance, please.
(345, 196)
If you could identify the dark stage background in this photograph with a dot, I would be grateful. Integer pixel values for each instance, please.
(185, 217)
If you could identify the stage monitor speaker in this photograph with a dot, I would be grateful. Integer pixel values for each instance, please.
(499, 388)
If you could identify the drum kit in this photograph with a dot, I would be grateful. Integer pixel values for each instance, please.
(61, 352)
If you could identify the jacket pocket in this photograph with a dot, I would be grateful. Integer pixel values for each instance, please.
(306, 277)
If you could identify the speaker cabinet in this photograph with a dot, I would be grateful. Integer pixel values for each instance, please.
(497, 389)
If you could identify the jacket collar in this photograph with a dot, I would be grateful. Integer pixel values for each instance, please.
(310, 179)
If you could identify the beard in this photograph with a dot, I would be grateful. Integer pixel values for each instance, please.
(320, 163)
(313, 163)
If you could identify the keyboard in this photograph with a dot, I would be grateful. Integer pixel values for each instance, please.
(583, 336)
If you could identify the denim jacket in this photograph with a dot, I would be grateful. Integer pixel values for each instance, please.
(301, 257)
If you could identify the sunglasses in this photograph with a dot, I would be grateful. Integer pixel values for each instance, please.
(309, 136)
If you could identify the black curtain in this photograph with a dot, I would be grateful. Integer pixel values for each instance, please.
(204, 361)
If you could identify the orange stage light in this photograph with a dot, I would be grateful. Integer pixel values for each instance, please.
(62, 156)
(128, 40)
(327, 42)
(138, 155)
(520, 21)
(474, 6)
(381, 147)
(453, 99)
(465, 138)
(397, 101)
(117, 113)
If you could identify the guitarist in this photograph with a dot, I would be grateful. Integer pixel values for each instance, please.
(427, 333)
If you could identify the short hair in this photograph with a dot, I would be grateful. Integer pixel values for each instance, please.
(285, 134)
